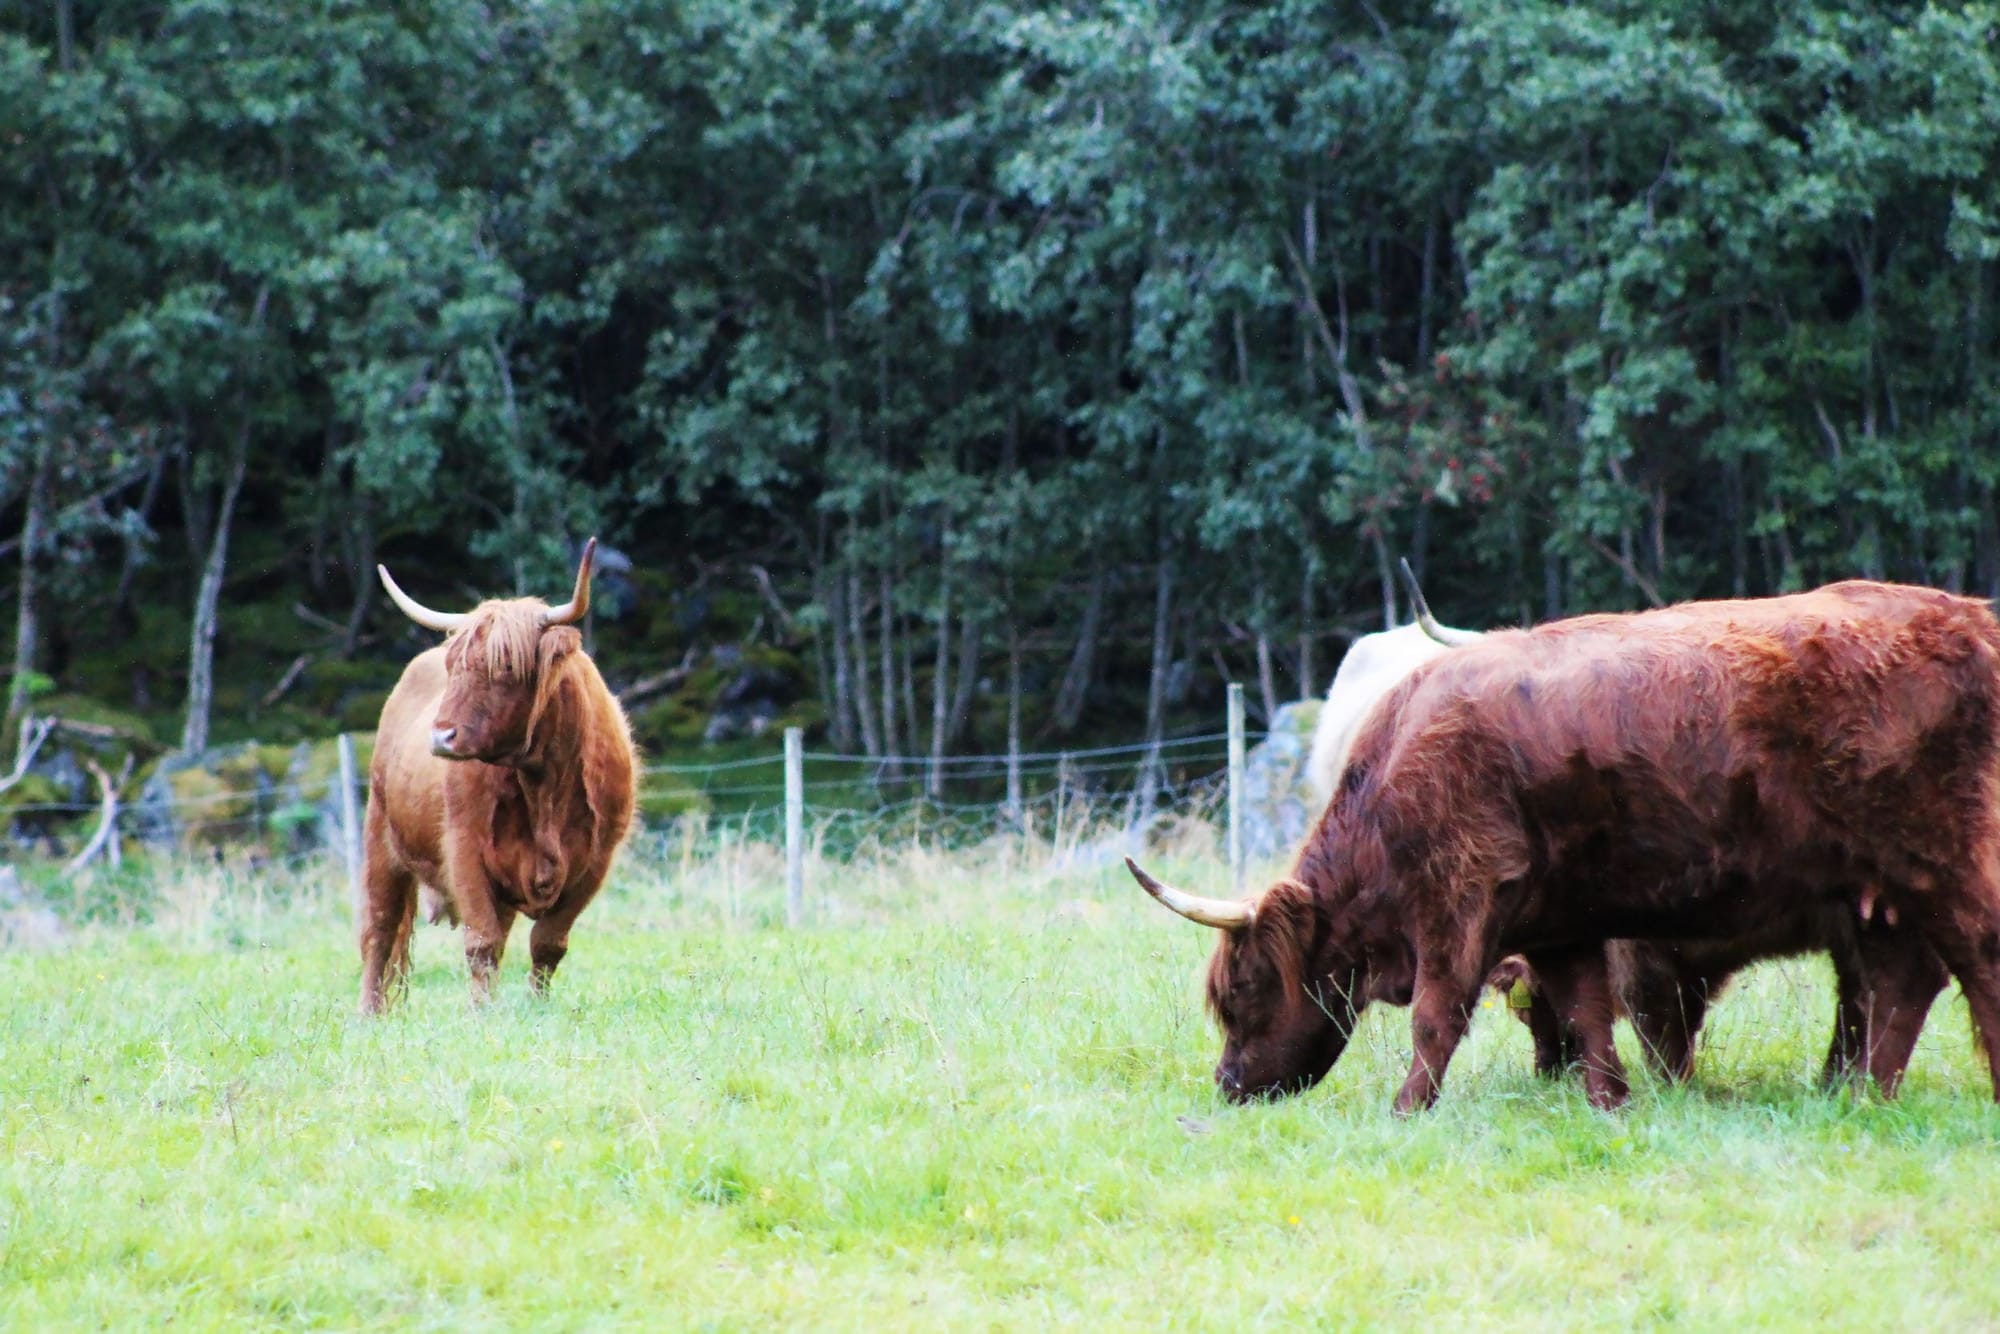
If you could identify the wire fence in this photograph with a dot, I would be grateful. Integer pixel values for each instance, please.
(854, 806)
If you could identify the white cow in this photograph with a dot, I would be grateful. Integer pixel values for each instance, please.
(1371, 669)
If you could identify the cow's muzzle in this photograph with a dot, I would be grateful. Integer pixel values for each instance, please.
(443, 743)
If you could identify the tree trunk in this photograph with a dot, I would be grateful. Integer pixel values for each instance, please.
(891, 743)
(208, 598)
(1074, 692)
(124, 616)
(843, 679)
(822, 671)
(857, 638)
(195, 516)
(134, 551)
(510, 413)
(361, 526)
(1013, 713)
(1156, 685)
(968, 677)
(1739, 529)
(1267, 678)
(27, 621)
(1426, 286)
(1306, 589)
(1987, 551)
(906, 651)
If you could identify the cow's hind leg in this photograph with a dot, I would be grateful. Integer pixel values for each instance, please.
(1555, 1045)
(1849, 1048)
(1966, 935)
(1900, 979)
(1579, 986)
(388, 911)
(1668, 1026)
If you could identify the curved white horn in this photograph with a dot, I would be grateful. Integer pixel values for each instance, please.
(573, 610)
(417, 611)
(1223, 914)
(1443, 634)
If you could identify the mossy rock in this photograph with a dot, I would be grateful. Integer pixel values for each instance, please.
(213, 811)
(128, 727)
(673, 723)
(33, 790)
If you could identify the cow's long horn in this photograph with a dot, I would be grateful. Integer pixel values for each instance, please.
(417, 611)
(1223, 914)
(1444, 634)
(573, 610)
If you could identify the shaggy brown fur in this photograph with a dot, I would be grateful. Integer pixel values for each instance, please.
(1709, 772)
(522, 816)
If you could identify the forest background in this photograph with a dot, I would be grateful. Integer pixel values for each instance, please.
(966, 375)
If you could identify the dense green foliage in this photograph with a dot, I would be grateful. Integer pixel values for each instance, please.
(965, 353)
(988, 1107)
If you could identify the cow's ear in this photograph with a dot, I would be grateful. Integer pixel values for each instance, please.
(558, 642)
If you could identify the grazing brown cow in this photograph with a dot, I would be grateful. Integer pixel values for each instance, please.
(503, 780)
(1663, 987)
(1701, 772)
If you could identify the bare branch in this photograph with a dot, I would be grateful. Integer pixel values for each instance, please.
(288, 680)
(1646, 587)
(763, 577)
(107, 811)
(34, 731)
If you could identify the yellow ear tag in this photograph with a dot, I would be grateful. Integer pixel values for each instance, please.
(1518, 995)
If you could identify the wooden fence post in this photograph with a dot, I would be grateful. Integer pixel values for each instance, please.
(795, 827)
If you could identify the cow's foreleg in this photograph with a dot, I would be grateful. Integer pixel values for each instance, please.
(485, 919)
(486, 931)
(549, 941)
(1440, 1009)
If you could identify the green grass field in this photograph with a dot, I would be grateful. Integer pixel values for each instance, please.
(975, 1094)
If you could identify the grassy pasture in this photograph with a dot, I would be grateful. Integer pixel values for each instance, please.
(974, 1095)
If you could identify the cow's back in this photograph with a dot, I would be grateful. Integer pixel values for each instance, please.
(1373, 665)
(1679, 756)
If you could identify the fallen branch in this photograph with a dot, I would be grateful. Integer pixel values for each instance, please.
(648, 686)
(107, 812)
(320, 619)
(34, 731)
(288, 680)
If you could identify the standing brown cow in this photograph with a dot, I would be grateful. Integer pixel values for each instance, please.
(503, 779)
(1702, 772)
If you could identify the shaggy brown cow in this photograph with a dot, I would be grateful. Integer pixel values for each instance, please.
(1702, 772)
(1663, 987)
(503, 779)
